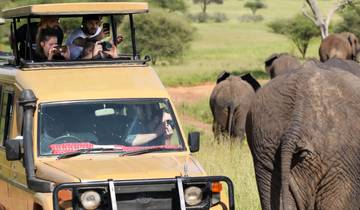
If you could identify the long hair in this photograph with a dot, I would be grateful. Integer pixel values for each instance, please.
(43, 36)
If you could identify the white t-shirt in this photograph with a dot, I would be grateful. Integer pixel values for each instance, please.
(75, 51)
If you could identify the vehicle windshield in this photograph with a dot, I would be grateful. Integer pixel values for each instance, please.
(111, 126)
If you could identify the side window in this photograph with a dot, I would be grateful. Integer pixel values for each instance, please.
(5, 115)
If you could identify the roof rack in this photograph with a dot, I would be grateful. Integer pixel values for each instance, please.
(76, 9)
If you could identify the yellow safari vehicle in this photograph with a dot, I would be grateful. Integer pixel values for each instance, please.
(93, 133)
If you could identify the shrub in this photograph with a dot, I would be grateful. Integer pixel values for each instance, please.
(199, 17)
(160, 34)
(250, 18)
(219, 17)
(351, 21)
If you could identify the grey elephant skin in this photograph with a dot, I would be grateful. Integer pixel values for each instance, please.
(344, 45)
(229, 103)
(335, 64)
(281, 63)
(304, 135)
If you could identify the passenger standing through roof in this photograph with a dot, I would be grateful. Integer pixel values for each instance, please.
(45, 22)
(47, 46)
(90, 31)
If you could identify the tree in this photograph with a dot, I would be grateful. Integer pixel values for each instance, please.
(171, 5)
(351, 20)
(300, 30)
(160, 34)
(205, 3)
(317, 17)
(254, 5)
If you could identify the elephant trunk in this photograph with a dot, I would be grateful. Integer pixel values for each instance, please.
(230, 126)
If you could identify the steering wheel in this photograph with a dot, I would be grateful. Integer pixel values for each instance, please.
(66, 138)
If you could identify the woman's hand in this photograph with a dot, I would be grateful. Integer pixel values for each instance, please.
(52, 51)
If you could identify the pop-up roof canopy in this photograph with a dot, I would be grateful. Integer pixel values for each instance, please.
(76, 9)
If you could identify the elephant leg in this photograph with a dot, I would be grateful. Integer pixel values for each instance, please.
(264, 182)
(217, 131)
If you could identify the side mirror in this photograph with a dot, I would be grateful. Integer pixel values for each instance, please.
(194, 141)
(13, 149)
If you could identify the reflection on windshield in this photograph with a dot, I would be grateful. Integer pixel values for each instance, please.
(126, 126)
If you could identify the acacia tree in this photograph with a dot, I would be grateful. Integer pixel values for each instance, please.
(205, 3)
(317, 17)
(300, 30)
(255, 5)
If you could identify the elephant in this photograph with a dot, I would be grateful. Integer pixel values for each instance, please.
(344, 45)
(336, 64)
(304, 136)
(280, 63)
(229, 102)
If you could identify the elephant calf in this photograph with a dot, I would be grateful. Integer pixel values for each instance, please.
(344, 45)
(304, 135)
(229, 102)
(282, 63)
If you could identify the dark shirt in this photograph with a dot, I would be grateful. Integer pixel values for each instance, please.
(21, 38)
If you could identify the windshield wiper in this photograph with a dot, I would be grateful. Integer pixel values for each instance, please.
(86, 151)
(148, 150)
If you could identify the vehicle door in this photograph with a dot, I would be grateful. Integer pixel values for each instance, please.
(4, 164)
(18, 193)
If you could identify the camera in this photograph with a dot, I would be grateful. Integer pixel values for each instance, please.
(106, 46)
(171, 123)
(60, 49)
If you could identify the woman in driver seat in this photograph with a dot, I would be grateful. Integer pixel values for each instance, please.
(150, 127)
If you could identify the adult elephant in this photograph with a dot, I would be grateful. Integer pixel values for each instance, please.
(344, 45)
(229, 103)
(304, 136)
(335, 64)
(281, 63)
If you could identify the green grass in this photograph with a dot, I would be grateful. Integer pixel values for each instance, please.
(234, 45)
(234, 161)
(199, 110)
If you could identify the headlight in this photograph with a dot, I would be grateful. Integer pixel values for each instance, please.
(90, 200)
(193, 195)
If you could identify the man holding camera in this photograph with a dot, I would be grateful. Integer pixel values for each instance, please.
(84, 42)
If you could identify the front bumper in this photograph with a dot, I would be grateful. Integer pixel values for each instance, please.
(147, 193)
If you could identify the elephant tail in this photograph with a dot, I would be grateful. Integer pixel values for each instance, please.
(231, 110)
(288, 147)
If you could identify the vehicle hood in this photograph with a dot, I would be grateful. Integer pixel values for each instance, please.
(93, 168)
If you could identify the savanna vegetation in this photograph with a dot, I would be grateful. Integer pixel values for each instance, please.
(222, 42)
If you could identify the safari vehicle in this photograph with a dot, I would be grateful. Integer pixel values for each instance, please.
(65, 128)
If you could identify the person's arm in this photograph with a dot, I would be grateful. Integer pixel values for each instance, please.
(91, 52)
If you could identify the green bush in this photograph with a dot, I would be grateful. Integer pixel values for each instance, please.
(219, 17)
(199, 17)
(250, 18)
(160, 34)
(351, 21)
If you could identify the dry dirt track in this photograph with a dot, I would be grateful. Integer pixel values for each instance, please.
(189, 95)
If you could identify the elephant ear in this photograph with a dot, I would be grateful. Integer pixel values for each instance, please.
(270, 60)
(251, 80)
(222, 76)
(353, 43)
